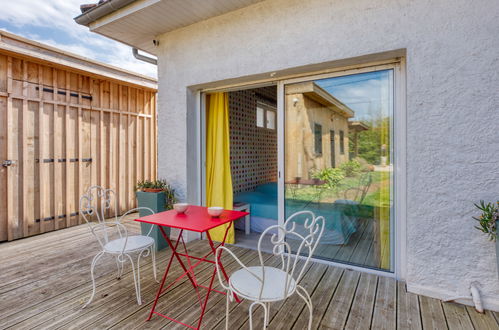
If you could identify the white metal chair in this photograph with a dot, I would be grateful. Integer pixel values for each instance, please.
(264, 284)
(113, 236)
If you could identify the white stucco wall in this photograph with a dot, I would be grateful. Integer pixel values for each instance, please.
(452, 71)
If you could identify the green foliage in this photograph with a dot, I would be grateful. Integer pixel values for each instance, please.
(159, 184)
(332, 176)
(487, 220)
(351, 168)
(371, 141)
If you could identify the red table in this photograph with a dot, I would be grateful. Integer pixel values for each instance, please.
(197, 219)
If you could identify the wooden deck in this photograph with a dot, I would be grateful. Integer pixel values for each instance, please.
(364, 248)
(44, 281)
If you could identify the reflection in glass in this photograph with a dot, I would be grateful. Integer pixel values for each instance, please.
(338, 163)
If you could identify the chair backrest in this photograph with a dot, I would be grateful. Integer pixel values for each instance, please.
(360, 190)
(95, 204)
(299, 236)
(367, 184)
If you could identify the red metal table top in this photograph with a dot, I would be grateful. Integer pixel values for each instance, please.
(195, 218)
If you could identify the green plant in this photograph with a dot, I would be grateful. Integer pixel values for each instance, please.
(163, 186)
(370, 142)
(487, 220)
(351, 168)
(332, 176)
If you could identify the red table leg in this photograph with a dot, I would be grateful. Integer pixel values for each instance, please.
(191, 276)
(174, 254)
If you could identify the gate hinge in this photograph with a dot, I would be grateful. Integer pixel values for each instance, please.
(8, 162)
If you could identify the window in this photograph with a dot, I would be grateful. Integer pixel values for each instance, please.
(333, 149)
(318, 139)
(270, 119)
(342, 142)
(260, 117)
(266, 116)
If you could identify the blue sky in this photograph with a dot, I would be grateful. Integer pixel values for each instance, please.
(51, 22)
(368, 94)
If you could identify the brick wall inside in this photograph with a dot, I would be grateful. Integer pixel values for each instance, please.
(253, 150)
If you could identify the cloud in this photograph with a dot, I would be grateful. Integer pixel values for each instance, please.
(51, 22)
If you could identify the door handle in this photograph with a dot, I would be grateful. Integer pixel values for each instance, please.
(8, 162)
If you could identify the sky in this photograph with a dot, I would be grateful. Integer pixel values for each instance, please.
(51, 22)
(368, 94)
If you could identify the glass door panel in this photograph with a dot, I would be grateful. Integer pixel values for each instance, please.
(338, 164)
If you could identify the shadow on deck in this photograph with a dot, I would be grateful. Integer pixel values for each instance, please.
(45, 281)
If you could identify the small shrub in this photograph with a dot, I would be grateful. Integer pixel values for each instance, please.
(487, 220)
(332, 176)
(364, 165)
(351, 168)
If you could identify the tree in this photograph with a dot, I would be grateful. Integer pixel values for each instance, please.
(371, 141)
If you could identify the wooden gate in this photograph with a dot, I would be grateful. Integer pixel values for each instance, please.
(62, 131)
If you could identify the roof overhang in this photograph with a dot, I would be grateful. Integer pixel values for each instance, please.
(138, 22)
(41, 53)
(358, 126)
(320, 95)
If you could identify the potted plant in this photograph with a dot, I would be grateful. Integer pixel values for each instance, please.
(159, 196)
(488, 222)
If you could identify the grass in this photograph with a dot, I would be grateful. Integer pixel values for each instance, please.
(380, 182)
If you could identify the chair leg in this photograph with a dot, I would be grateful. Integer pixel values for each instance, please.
(120, 268)
(265, 320)
(153, 249)
(268, 314)
(306, 297)
(92, 266)
(135, 280)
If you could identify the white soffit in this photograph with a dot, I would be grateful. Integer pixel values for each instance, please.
(140, 22)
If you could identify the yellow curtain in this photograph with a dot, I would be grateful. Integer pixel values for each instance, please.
(218, 175)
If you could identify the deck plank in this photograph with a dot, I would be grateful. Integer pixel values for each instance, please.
(457, 316)
(363, 304)
(174, 301)
(239, 316)
(107, 310)
(432, 314)
(337, 312)
(45, 281)
(293, 307)
(384, 316)
(482, 321)
(190, 311)
(408, 312)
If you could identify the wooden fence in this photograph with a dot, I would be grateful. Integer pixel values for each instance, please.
(62, 131)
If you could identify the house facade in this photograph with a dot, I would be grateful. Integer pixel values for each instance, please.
(322, 135)
(441, 59)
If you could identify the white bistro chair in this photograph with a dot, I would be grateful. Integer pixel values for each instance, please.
(264, 284)
(113, 236)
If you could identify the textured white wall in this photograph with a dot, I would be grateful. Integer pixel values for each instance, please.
(452, 107)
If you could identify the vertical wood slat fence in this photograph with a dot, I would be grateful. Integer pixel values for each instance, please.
(64, 131)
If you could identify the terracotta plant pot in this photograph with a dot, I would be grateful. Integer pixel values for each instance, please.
(153, 190)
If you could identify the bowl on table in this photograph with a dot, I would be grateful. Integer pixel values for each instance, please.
(180, 207)
(215, 211)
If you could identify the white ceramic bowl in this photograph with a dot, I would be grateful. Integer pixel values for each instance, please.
(180, 207)
(215, 211)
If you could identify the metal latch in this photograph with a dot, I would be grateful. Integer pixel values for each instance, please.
(6, 163)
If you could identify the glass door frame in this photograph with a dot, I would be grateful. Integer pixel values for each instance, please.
(398, 243)
(398, 191)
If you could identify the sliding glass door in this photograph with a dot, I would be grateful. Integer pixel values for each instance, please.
(338, 163)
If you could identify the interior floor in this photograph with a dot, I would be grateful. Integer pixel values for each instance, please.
(250, 241)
